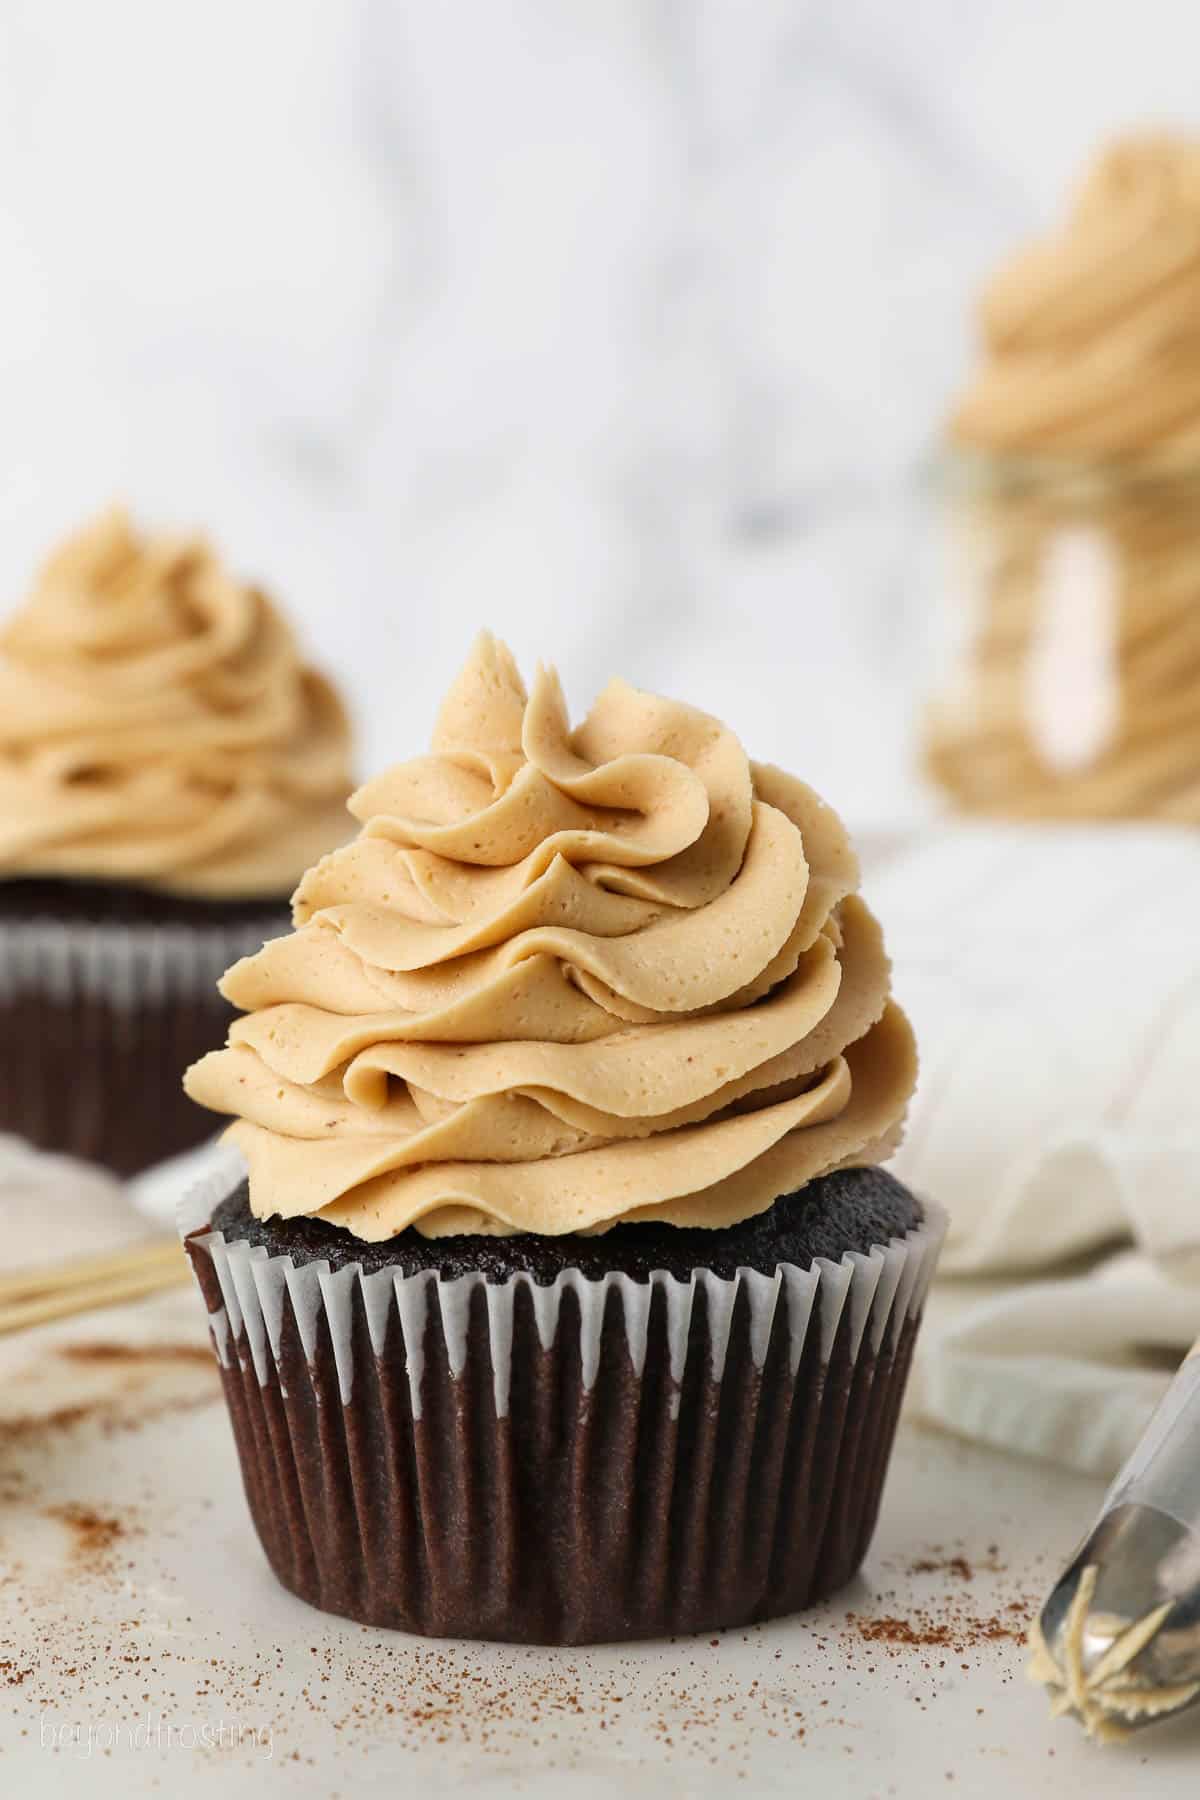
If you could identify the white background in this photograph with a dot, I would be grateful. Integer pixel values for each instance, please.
(621, 325)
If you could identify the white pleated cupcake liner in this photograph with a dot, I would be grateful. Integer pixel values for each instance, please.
(870, 1295)
(103, 1020)
(128, 966)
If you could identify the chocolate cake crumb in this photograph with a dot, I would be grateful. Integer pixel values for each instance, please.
(847, 1210)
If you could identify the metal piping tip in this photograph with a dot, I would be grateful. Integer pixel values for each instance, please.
(1118, 1641)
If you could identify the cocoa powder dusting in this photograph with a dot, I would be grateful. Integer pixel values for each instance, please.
(966, 1631)
(93, 1533)
(135, 1354)
(135, 1385)
(107, 1415)
(944, 1619)
(20, 1429)
(688, 1704)
(932, 1626)
(950, 1565)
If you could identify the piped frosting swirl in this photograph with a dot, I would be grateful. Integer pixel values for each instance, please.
(564, 979)
(1090, 341)
(158, 726)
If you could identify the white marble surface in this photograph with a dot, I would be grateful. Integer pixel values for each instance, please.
(620, 324)
(152, 1652)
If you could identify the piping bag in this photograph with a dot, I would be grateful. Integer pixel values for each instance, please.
(1118, 1641)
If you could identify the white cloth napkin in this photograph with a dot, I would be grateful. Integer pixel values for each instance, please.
(54, 1209)
(1053, 977)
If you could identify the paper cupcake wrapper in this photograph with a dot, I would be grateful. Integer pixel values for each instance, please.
(564, 1463)
(98, 1024)
(128, 966)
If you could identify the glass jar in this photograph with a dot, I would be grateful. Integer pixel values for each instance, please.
(1069, 678)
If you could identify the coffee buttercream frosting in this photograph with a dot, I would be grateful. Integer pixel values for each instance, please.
(1089, 335)
(1076, 697)
(563, 979)
(158, 726)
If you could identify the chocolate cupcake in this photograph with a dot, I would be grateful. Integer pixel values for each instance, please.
(564, 1299)
(168, 769)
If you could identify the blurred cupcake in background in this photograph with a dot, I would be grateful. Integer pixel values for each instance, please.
(1073, 681)
(169, 767)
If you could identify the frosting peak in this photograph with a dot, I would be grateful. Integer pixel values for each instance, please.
(564, 978)
(1089, 336)
(158, 726)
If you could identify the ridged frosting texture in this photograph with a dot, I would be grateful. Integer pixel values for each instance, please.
(158, 726)
(1089, 335)
(564, 978)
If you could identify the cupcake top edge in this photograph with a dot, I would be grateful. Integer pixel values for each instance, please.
(565, 978)
(159, 727)
(1089, 348)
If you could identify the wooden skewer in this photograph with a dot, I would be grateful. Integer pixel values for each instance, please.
(88, 1285)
